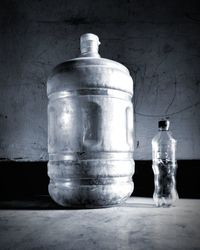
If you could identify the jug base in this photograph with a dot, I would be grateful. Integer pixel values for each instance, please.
(91, 197)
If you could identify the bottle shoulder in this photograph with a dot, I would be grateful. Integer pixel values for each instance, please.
(163, 137)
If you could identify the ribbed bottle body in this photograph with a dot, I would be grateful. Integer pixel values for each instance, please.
(90, 149)
(164, 168)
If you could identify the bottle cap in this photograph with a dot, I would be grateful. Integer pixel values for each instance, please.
(163, 124)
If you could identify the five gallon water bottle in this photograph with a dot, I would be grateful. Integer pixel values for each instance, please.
(164, 166)
(90, 130)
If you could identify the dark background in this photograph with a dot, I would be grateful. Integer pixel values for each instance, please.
(158, 41)
(29, 180)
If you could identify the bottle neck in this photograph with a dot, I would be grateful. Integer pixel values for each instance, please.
(163, 129)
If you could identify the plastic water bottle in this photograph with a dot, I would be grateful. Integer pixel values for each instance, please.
(90, 130)
(164, 166)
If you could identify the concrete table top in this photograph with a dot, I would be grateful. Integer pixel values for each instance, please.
(135, 225)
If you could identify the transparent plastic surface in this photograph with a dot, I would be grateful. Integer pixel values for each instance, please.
(90, 130)
(164, 168)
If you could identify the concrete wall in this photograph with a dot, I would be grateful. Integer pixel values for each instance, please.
(157, 40)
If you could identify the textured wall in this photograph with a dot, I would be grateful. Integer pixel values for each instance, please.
(157, 41)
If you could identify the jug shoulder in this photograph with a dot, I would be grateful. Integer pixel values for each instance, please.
(88, 72)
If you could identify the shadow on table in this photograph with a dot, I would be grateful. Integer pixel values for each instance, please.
(138, 204)
(46, 203)
(33, 203)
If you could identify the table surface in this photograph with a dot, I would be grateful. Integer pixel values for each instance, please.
(135, 225)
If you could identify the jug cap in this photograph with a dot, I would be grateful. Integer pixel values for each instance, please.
(89, 45)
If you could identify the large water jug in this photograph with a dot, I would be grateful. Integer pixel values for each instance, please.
(90, 130)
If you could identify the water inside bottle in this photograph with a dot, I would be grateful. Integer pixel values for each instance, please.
(165, 183)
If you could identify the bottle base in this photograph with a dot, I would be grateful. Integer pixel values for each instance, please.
(99, 196)
(91, 183)
(164, 202)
